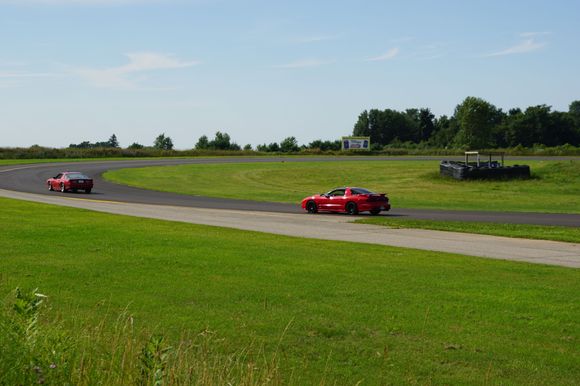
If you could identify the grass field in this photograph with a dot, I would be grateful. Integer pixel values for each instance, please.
(555, 186)
(541, 232)
(335, 312)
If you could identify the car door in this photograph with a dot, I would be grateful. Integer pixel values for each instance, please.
(336, 200)
(55, 182)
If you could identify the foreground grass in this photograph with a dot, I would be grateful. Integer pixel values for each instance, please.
(539, 232)
(410, 184)
(351, 312)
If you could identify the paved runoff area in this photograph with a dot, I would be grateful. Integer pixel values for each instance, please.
(332, 227)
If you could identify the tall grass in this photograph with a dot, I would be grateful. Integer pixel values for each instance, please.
(39, 350)
(40, 152)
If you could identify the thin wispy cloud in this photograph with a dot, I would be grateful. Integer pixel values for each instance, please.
(20, 75)
(317, 38)
(126, 76)
(530, 43)
(431, 51)
(534, 34)
(403, 39)
(304, 63)
(390, 54)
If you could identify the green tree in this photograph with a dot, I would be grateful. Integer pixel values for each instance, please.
(476, 118)
(221, 141)
(273, 147)
(163, 143)
(289, 144)
(113, 142)
(202, 143)
(135, 146)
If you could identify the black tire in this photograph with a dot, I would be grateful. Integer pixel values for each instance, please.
(311, 207)
(62, 188)
(50, 189)
(374, 212)
(351, 208)
(87, 191)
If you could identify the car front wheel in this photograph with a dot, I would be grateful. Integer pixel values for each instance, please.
(351, 208)
(374, 212)
(311, 207)
(62, 188)
(50, 187)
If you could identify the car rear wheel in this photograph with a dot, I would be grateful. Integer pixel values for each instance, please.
(311, 207)
(87, 191)
(62, 188)
(374, 212)
(351, 208)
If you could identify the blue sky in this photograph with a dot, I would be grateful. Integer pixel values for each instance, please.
(76, 70)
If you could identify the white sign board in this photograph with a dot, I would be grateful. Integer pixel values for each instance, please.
(356, 143)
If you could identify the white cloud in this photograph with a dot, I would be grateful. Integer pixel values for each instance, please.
(124, 76)
(305, 63)
(390, 54)
(528, 44)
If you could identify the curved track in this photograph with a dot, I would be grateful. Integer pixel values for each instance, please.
(30, 179)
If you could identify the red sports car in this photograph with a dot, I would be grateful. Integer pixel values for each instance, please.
(66, 181)
(349, 200)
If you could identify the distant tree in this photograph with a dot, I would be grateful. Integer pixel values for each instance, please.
(202, 143)
(444, 132)
(426, 124)
(574, 113)
(221, 141)
(273, 147)
(387, 125)
(574, 110)
(262, 148)
(113, 142)
(82, 145)
(289, 144)
(476, 118)
(325, 145)
(362, 126)
(163, 143)
(248, 147)
(135, 146)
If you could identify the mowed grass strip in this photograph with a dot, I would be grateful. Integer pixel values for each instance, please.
(555, 186)
(354, 312)
(540, 232)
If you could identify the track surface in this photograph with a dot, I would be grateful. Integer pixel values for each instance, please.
(31, 178)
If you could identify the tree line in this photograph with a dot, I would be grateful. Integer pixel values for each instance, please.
(475, 124)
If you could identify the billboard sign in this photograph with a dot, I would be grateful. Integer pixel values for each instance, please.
(356, 143)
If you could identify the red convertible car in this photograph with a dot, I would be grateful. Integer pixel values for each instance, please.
(348, 200)
(70, 181)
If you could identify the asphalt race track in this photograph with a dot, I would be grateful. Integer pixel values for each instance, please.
(31, 179)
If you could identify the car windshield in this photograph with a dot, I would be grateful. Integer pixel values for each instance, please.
(77, 176)
(360, 191)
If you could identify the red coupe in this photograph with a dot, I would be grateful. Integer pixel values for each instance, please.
(73, 181)
(349, 200)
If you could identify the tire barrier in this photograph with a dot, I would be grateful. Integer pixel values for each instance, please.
(485, 170)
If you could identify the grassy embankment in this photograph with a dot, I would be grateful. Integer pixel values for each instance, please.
(292, 310)
(555, 187)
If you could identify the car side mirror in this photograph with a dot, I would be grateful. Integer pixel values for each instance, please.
(323, 195)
